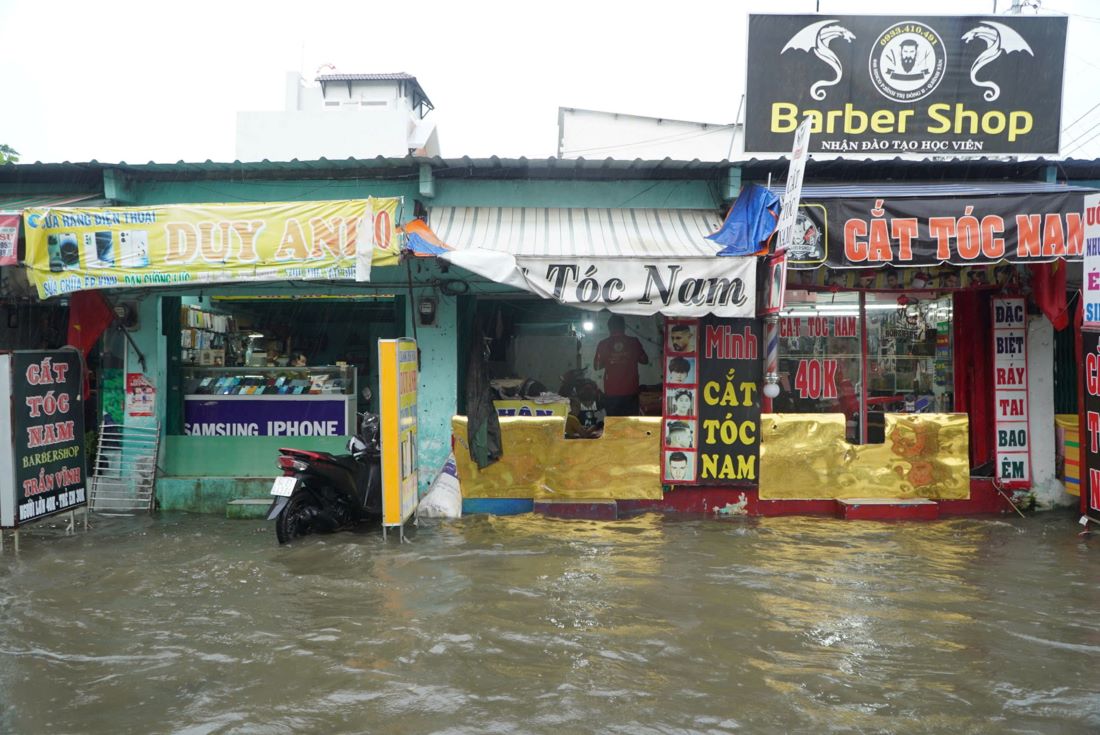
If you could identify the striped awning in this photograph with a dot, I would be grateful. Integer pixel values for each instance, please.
(614, 233)
(16, 203)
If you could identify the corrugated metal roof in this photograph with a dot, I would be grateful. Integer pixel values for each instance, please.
(19, 202)
(752, 169)
(931, 189)
(419, 95)
(393, 77)
(538, 232)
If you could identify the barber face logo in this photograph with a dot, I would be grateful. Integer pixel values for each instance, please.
(907, 62)
(806, 244)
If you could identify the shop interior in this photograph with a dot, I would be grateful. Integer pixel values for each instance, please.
(865, 355)
(541, 350)
(286, 346)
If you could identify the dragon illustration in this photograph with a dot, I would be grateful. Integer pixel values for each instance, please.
(816, 38)
(999, 39)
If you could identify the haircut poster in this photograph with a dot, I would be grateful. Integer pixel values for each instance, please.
(42, 462)
(713, 373)
(931, 85)
(9, 236)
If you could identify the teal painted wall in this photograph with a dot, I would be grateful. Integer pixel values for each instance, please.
(235, 456)
(437, 393)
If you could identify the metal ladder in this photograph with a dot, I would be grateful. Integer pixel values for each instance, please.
(125, 470)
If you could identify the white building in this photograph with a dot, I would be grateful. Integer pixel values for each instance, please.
(593, 135)
(341, 116)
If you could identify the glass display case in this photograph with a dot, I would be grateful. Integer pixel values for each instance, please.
(269, 381)
(272, 401)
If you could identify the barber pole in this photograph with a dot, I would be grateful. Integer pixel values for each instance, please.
(771, 361)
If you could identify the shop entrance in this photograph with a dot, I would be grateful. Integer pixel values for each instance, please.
(291, 366)
(535, 346)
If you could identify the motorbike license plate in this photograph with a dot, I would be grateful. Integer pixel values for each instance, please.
(284, 486)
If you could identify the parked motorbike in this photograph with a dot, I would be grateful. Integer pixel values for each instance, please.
(320, 492)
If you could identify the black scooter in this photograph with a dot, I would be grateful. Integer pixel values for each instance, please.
(324, 493)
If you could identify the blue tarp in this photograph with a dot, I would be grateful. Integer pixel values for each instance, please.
(751, 221)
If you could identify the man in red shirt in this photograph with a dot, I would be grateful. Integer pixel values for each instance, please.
(619, 356)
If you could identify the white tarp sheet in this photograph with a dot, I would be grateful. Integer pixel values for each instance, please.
(683, 287)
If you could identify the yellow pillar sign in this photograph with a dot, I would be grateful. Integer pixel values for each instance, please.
(398, 378)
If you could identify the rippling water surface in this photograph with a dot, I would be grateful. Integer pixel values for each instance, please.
(196, 624)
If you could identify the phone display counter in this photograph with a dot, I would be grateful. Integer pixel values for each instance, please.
(307, 401)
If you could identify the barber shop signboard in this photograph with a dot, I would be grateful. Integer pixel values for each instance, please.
(946, 85)
(42, 462)
(712, 381)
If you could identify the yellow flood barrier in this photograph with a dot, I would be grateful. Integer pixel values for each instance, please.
(802, 456)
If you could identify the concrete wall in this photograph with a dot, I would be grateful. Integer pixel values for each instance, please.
(595, 135)
(1048, 490)
(363, 120)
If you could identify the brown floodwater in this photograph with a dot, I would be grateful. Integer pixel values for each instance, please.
(196, 624)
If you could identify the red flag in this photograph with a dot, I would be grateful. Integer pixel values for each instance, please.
(1048, 288)
(89, 316)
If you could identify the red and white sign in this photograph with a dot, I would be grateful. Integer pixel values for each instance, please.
(1090, 281)
(816, 379)
(1013, 466)
(9, 234)
(141, 395)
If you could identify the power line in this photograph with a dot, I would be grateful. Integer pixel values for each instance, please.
(678, 137)
(1082, 135)
(1082, 143)
(1081, 118)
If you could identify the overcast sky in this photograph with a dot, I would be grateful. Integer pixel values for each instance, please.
(141, 81)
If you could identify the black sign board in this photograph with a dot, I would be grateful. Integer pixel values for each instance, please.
(1090, 431)
(730, 376)
(940, 85)
(926, 231)
(47, 436)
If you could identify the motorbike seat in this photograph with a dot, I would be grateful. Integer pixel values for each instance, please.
(347, 461)
(305, 454)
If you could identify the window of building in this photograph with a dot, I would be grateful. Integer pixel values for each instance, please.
(865, 356)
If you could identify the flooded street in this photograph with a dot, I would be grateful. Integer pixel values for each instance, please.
(195, 624)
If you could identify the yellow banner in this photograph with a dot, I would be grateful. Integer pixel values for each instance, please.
(82, 248)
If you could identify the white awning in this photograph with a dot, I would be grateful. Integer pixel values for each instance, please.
(629, 261)
(609, 233)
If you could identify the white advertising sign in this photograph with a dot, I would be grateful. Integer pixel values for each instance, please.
(679, 287)
(1010, 392)
(788, 213)
(1090, 278)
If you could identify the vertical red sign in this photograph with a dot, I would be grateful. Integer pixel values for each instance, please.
(1090, 429)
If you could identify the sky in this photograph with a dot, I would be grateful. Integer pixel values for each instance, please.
(158, 81)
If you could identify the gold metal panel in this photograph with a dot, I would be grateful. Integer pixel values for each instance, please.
(805, 456)
(528, 447)
(622, 464)
(539, 462)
